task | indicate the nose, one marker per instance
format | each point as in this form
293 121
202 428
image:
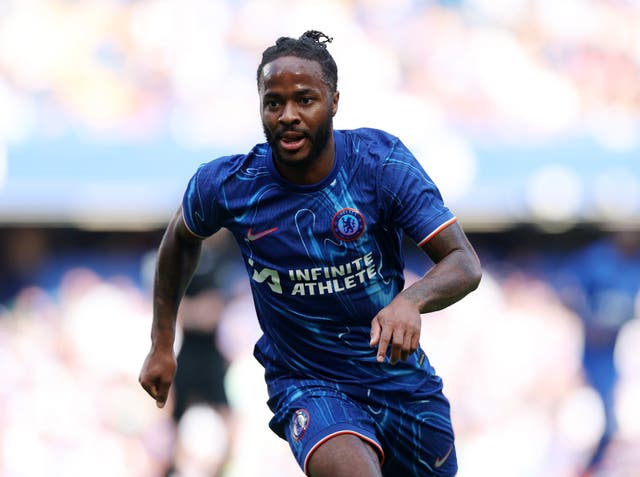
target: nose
289 113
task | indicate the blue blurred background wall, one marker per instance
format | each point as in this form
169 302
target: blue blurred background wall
121 99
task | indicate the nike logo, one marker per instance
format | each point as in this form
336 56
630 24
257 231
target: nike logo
441 460
251 236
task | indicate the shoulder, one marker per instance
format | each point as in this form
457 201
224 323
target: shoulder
371 144
223 167
371 136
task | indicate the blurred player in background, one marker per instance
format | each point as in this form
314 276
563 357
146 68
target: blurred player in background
602 286
319 216
201 366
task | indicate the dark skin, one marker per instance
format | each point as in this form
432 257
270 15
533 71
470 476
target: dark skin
297 104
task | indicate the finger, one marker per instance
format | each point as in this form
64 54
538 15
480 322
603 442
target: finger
397 346
383 344
375 332
406 349
150 388
163 393
415 343
410 346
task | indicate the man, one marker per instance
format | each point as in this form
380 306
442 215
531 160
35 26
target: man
319 216
601 283
201 365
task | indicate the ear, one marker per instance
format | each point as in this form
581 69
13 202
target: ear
334 106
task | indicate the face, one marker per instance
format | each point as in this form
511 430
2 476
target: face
297 109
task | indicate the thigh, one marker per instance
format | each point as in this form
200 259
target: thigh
316 415
344 455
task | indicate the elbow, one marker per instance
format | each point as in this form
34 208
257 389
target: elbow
473 274
476 278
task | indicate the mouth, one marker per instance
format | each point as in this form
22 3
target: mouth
291 141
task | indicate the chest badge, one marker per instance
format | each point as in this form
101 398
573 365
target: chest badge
348 224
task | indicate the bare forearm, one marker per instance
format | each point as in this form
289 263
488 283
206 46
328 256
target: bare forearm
451 279
176 263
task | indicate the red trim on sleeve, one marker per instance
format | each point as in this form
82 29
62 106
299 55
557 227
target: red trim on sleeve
437 231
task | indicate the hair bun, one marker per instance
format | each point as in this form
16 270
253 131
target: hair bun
317 36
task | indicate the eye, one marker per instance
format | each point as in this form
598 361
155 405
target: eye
271 104
306 100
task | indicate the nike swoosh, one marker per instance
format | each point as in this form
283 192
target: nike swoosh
441 460
251 236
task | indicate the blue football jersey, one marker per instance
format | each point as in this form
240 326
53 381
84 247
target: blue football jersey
323 259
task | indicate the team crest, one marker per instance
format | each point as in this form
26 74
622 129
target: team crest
347 224
299 424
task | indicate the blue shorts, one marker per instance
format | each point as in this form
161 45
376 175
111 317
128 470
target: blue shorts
411 433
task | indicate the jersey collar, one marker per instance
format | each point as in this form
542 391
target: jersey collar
339 142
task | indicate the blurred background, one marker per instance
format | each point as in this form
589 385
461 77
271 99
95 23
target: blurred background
526 113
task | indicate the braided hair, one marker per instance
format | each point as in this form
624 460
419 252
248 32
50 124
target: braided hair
312 45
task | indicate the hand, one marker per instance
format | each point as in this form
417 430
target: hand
399 324
157 373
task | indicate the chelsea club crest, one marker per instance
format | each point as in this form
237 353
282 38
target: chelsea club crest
299 424
347 224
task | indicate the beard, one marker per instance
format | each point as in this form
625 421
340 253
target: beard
318 142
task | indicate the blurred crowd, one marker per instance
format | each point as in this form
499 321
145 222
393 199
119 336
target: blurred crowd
74 334
497 98
147 68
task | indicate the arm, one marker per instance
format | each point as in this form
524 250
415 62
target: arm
178 257
456 273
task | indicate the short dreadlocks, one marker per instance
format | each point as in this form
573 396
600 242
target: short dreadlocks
312 45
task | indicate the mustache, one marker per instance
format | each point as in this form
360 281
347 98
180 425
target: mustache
280 132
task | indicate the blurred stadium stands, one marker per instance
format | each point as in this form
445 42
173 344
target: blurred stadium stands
106 103
525 112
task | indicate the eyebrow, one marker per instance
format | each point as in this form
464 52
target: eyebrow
300 92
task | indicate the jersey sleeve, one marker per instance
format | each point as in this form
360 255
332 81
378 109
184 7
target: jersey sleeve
412 199
199 210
